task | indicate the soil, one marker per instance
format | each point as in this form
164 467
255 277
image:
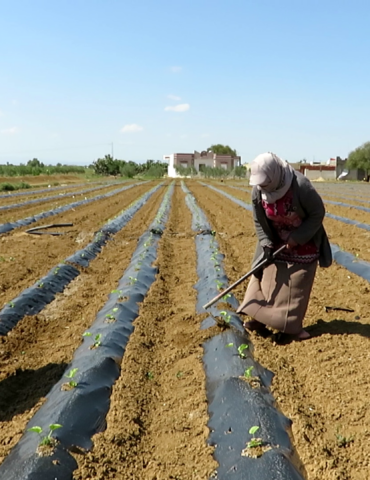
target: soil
11 200
157 423
24 258
28 210
35 354
38 180
161 432
319 383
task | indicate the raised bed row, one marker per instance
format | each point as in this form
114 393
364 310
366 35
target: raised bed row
44 190
240 402
32 300
346 259
348 221
8 227
54 197
79 405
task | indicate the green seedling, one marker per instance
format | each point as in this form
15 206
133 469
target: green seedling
225 316
241 349
133 280
254 442
47 440
11 304
97 339
229 345
71 374
150 375
41 284
248 372
343 441
225 297
179 374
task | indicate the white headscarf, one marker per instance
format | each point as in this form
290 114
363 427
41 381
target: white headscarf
272 175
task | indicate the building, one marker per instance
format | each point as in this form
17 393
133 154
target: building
198 160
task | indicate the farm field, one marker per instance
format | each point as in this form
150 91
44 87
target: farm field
154 421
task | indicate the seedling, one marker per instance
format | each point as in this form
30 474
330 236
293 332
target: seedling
97 339
241 349
248 372
47 440
11 304
225 297
150 375
343 441
179 374
254 442
133 280
226 316
229 345
41 284
71 374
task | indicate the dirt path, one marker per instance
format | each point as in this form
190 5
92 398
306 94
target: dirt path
25 258
35 354
161 431
321 384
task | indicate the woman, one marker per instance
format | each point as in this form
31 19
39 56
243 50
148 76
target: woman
287 210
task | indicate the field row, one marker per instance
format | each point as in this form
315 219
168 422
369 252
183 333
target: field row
162 430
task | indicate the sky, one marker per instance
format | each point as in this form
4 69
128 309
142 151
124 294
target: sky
142 78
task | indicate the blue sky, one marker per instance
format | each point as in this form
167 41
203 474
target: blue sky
156 77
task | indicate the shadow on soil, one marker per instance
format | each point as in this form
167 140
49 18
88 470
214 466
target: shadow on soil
22 390
334 327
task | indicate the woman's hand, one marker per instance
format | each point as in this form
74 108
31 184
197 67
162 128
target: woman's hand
291 243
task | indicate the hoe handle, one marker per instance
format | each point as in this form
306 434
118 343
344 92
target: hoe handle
244 277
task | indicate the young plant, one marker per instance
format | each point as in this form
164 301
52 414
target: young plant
248 372
71 374
226 317
97 339
47 440
343 441
241 349
229 345
133 280
254 442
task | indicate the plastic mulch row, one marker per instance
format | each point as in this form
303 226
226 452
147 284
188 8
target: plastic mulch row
54 197
8 227
235 406
82 410
32 300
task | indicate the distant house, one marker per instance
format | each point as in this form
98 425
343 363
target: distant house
198 160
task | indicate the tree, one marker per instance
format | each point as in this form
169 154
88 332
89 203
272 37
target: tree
220 149
360 158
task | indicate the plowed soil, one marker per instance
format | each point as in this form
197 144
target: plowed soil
321 383
10 199
24 258
28 210
157 423
34 355
39 180
161 431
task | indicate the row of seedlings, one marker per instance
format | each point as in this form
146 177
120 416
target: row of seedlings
54 197
250 436
32 300
343 258
8 227
77 405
